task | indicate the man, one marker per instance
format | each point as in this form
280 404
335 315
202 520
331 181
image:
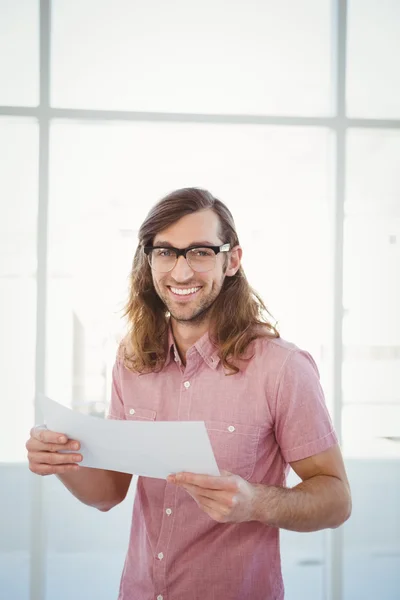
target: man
200 347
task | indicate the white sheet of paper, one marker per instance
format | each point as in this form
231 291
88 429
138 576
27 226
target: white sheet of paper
150 449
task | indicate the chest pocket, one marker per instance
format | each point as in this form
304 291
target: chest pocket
135 413
235 446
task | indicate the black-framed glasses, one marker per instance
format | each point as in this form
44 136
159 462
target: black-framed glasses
199 258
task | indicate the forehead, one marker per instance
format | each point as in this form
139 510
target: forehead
201 226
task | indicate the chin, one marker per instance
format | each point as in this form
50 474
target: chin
196 317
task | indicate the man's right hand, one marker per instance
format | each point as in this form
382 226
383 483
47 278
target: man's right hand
43 452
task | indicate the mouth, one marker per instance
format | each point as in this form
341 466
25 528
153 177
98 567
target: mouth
184 293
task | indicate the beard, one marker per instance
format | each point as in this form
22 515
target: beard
198 316
199 313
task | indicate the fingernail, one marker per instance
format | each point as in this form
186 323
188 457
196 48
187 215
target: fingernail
75 446
62 439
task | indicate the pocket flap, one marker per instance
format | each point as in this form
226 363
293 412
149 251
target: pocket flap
136 413
238 429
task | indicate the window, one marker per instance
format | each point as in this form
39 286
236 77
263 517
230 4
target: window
237 97
18 215
371 325
373 67
18 209
19 52
213 57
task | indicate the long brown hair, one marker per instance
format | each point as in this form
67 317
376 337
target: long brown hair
238 314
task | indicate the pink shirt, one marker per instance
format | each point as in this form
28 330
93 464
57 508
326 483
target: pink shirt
270 414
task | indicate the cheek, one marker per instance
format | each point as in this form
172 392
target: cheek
158 282
158 286
220 281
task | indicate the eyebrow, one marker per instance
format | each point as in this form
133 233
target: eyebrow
165 244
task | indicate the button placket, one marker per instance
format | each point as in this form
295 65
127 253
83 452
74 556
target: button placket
187 384
161 549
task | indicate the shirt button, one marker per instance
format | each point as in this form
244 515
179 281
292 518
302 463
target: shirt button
231 428
187 384
132 411
159 597
168 511
160 555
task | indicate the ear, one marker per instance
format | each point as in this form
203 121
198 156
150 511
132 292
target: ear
234 261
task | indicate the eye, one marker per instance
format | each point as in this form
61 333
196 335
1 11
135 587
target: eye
202 252
164 252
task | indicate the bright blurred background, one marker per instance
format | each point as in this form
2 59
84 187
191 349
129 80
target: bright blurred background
287 111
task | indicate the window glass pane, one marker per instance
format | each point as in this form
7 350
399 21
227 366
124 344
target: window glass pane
104 178
19 52
18 209
18 213
371 382
373 59
371 536
371 367
86 551
216 56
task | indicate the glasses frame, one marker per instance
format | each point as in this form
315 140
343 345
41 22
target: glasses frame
183 251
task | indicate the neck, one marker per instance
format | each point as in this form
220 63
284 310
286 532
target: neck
187 334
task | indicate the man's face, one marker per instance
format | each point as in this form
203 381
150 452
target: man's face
200 228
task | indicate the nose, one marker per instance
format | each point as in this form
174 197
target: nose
182 271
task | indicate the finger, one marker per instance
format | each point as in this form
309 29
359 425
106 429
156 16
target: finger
53 458
216 512
45 469
222 498
33 445
227 483
42 434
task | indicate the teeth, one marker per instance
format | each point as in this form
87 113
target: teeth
184 292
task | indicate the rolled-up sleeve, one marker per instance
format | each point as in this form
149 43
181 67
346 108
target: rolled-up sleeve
303 426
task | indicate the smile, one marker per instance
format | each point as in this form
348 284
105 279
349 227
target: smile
184 291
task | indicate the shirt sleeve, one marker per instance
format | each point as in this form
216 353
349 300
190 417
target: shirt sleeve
116 409
303 426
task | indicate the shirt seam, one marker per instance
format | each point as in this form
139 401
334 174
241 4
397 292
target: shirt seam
279 378
254 455
170 533
332 431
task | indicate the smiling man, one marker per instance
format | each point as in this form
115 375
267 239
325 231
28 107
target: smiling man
188 288
200 346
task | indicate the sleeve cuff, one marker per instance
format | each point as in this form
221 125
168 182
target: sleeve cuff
311 448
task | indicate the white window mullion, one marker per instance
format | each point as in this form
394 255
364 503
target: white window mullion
334 574
38 521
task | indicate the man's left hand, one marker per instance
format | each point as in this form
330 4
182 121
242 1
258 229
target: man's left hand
226 499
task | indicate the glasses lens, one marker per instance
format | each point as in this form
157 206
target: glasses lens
201 259
162 259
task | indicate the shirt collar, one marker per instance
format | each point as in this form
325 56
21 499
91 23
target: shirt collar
204 346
